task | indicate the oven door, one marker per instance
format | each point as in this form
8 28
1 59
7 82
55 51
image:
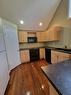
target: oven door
34 54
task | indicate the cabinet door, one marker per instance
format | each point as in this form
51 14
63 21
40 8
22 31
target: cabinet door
59 56
24 54
22 36
42 53
54 57
41 36
12 45
63 56
4 73
54 33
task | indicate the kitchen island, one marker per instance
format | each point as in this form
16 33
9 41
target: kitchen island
59 75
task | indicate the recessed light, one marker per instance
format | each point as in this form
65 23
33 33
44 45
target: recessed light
21 22
40 24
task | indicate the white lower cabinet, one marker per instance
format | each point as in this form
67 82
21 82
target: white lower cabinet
52 90
4 73
24 54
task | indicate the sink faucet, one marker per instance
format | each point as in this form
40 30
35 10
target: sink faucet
65 46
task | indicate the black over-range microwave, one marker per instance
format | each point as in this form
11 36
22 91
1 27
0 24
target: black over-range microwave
32 39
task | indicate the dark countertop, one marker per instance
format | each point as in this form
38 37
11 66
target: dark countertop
60 76
60 49
30 48
52 48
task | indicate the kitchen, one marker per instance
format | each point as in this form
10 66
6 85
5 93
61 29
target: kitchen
36 45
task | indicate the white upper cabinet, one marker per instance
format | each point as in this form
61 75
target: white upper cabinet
69 15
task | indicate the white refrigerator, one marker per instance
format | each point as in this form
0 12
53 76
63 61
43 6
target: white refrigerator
4 72
11 43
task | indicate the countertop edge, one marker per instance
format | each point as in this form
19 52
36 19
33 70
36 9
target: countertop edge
52 48
51 82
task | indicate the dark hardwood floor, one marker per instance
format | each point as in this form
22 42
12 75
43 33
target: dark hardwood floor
28 79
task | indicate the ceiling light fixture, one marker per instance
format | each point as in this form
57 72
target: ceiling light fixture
21 22
40 24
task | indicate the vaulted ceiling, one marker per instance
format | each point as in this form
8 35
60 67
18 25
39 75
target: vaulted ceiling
32 12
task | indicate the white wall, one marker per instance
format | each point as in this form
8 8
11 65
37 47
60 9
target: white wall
61 19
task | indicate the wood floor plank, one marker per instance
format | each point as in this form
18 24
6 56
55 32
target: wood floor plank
28 79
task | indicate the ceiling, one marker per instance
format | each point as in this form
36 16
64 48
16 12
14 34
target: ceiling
30 11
